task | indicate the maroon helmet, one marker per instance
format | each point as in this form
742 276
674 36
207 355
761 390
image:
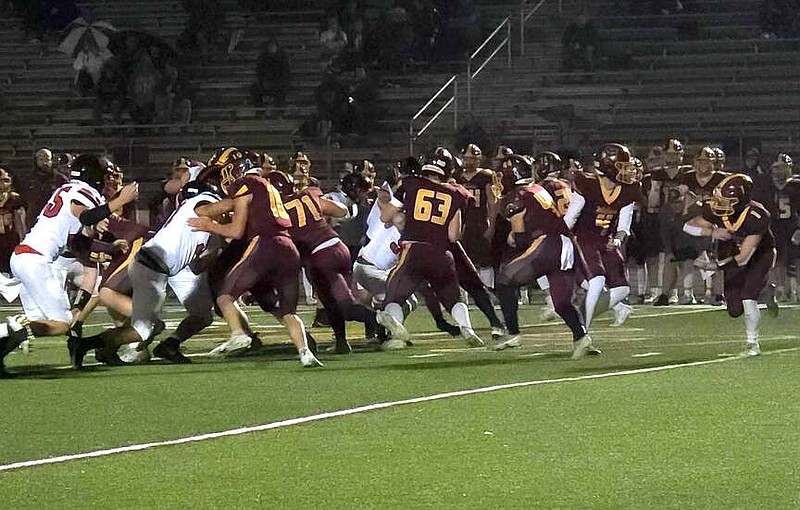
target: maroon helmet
616 162
731 195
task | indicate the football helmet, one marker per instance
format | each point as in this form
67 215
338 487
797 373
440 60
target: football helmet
704 161
673 152
268 163
232 163
719 159
616 162
408 166
367 169
472 156
781 170
731 195
547 164
301 170
193 188
5 180
437 167
89 169
282 181
450 163
354 184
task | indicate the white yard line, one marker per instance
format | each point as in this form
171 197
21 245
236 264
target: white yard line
358 410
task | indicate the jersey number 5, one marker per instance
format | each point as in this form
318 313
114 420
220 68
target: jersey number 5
433 206
53 207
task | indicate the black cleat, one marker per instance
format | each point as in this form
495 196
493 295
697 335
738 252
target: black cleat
170 351
661 300
443 325
109 357
77 351
341 346
312 343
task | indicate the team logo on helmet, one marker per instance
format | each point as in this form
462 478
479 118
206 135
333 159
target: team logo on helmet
547 164
232 164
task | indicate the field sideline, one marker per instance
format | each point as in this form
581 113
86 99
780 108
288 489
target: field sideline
720 432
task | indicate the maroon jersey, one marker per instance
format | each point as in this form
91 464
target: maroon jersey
670 184
753 220
561 191
602 204
785 204
266 215
309 227
8 209
541 213
122 228
429 207
702 191
477 211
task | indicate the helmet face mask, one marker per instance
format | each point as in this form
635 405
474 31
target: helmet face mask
89 169
547 164
673 153
232 164
616 162
705 161
472 157
281 181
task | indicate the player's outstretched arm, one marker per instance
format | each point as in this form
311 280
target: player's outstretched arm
216 209
235 229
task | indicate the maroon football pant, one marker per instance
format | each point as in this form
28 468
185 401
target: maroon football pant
330 272
419 263
598 260
269 267
542 258
746 282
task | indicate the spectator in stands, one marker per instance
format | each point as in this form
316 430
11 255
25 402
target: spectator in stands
353 54
203 27
273 75
333 40
779 18
36 187
579 45
332 103
361 103
390 41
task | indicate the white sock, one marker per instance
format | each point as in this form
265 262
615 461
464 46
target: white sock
308 290
548 300
617 294
460 314
396 311
752 316
4 330
596 285
487 276
543 283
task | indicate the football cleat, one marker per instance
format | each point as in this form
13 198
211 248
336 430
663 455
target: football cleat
443 325
506 341
473 340
131 354
308 360
170 351
753 349
661 300
77 352
235 344
498 332
621 313
396 329
340 346
686 300
581 346
393 345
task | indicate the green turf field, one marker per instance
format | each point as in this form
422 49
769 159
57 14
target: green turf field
722 434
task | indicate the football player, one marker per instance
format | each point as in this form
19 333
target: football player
174 256
745 249
73 206
477 236
700 183
785 210
666 198
12 220
431 218
599 201
270 264
323 254
542 248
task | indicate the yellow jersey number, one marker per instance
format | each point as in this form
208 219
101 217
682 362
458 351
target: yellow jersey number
433 206
301 205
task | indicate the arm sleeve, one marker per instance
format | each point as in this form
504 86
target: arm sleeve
625 219
95 215
574 210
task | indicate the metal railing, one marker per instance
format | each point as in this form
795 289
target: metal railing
506 23
525 13
414 135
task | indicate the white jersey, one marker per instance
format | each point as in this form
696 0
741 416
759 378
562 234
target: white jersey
56 222
176 244
383 247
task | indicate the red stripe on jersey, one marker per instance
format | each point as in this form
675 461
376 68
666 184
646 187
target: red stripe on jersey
89 195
